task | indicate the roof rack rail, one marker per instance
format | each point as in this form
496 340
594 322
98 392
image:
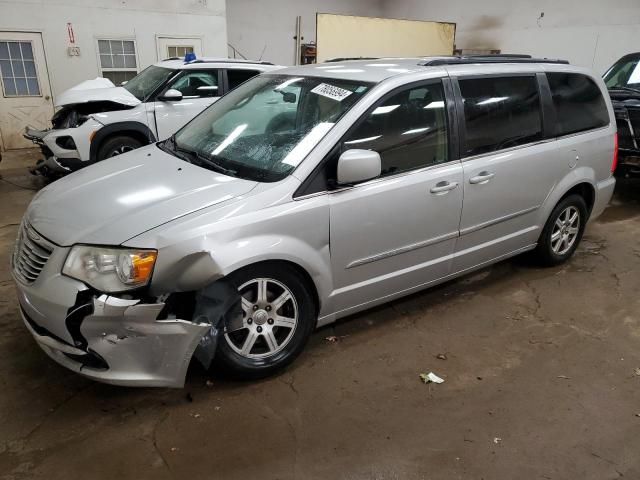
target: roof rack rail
344 59
499 58
230 60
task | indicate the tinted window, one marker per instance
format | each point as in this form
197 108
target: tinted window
237 77
578 101
198 83
500 113
409 130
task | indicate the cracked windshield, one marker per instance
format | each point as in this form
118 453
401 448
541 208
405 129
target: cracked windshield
265 128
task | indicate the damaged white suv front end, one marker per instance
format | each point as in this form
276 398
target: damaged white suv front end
66 146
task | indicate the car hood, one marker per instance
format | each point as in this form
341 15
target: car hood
122 197
96 90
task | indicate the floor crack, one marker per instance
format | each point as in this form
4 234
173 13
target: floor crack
154 441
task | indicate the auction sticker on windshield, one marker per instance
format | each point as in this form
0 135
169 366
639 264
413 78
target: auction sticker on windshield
332 92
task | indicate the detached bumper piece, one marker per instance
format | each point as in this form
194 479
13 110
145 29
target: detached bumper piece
122 342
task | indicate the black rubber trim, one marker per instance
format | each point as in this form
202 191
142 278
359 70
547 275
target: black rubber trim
76 314
549 116
120 128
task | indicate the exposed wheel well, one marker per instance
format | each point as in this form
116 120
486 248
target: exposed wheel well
305 275
586 191
141 137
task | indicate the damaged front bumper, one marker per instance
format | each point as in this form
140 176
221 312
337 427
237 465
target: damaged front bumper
64 150
107 338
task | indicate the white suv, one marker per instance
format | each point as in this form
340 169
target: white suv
98 120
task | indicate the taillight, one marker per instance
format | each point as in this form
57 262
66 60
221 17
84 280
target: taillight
614 163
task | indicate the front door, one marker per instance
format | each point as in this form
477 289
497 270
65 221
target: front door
172 47
26 94
509 169
398 231
199 88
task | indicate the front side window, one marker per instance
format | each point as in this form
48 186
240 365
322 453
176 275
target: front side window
197 84
236 77
578 102
118 60
500 112
148 80
263 129
624 74
408 130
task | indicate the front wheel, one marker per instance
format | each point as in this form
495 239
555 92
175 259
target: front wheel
563 231
117 146
278 316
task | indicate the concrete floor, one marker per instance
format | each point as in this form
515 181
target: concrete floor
539 369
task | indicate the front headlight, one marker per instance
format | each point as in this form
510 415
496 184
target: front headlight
110 269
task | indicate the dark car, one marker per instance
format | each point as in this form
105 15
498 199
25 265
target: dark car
623 82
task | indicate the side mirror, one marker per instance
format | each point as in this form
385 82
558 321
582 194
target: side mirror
358 165
171 95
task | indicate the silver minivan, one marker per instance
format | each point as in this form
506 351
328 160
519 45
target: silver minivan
306 195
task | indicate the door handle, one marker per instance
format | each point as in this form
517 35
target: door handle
481 178
443 187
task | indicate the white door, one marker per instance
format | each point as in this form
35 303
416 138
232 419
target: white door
26 94
170 47
398 231
199 89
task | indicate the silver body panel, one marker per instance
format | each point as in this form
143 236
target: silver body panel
361 245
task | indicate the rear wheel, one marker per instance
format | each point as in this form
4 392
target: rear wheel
278 316
563 231
118 145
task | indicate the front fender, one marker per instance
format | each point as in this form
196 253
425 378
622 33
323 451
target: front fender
200 248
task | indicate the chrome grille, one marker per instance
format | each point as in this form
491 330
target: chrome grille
30 255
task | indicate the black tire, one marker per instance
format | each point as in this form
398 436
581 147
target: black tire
118 145
544 252
236 365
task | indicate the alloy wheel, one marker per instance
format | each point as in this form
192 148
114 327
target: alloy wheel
565 230
269 319
120 150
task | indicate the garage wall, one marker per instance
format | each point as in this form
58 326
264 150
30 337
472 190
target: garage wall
92 19
591 33
256 24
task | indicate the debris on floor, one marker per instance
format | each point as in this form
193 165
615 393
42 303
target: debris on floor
563 377
637 372
430 378
497 440
441 356
335 338
209 384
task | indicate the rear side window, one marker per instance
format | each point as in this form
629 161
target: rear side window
500 112
238 77
578 102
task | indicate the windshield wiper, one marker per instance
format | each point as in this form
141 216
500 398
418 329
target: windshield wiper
208 162
628 89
